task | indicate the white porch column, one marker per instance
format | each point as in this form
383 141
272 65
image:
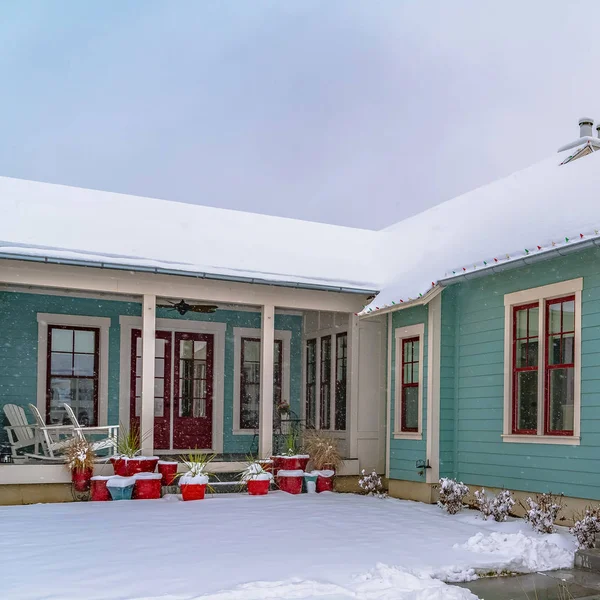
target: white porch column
265 442
352 383
148 357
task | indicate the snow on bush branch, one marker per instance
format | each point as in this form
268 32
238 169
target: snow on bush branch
542 512
586 528
451 495
372 484
498 506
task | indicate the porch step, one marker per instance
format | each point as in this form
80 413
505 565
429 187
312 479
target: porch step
588 559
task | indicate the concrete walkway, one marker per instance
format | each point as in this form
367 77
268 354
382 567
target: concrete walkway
551 585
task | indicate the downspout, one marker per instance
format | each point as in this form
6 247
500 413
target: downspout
388 425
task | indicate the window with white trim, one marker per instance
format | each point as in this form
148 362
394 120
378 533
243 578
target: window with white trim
542 364
408 389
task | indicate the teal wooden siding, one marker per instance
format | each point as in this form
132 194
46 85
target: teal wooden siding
481 456
18 349
405 453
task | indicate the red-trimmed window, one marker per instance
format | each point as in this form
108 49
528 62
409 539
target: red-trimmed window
311 383
72 373
409 417
559 376
525 368
250 380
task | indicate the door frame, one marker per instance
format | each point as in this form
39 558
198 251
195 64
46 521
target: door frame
218 330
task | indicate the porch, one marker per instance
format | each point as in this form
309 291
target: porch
210 381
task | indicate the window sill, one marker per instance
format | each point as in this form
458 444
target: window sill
559 440
407 435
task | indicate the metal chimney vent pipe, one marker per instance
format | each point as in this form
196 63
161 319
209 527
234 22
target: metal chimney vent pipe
586 127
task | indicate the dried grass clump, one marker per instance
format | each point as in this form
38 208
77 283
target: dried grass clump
323 450
80 455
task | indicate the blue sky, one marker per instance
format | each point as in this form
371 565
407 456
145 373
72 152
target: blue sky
356 113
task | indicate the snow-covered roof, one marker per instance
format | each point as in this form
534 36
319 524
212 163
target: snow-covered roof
94 227
535 211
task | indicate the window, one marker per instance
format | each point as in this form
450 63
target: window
409 413
326 371
543 331
250 381
341 366
325 387
311 383
72 373
408 392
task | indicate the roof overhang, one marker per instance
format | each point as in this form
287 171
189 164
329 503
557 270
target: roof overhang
422 301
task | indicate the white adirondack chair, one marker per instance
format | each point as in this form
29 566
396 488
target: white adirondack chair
108 433
21 433
53 439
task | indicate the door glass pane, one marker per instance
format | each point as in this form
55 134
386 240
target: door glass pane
62 340
85 342
411 407
527 400
325 413
186 348
311 383
561 399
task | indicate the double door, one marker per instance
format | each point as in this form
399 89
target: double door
183 389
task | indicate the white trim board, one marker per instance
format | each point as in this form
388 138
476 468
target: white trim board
101 323
434 352
540 295
217 329
285 336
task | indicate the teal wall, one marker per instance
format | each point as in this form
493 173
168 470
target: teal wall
18 349
405 453
481 456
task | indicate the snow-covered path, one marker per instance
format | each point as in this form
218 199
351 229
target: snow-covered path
237 547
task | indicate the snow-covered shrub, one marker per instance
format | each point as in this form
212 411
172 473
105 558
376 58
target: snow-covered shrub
451 495
542 512
502 505
484 503
371 484
586 528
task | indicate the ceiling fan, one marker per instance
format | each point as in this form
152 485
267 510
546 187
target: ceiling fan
182 307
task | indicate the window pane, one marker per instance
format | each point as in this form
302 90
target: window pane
85 341
568 316
561 399
411 408
527 353
251 350
568 352
325 397
61 364
534 321
200 350
84 365
522 323
78 393
159 348
554 317
407 377
527 400
159 407
186 348
415 372
311 377
159 367
554 350
62 340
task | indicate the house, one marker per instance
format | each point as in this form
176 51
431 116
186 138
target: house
462 342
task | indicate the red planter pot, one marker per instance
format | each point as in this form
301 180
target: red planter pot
292 463
119 466
258 487
100 492
168 470
303 462
81 479
127 467
324 484
290 484
193 491
147 488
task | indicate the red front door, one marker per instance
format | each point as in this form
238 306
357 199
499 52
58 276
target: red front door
162 386
192 391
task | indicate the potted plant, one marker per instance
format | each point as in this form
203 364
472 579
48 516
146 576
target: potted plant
326 458
128 462
168 470
291 459
80 461
257 478
193 483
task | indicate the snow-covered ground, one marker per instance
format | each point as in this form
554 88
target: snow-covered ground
238 547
